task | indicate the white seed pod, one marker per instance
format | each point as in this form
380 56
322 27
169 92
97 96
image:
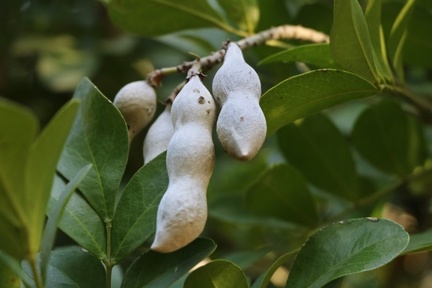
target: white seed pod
182 212
159 135
241 125
137 103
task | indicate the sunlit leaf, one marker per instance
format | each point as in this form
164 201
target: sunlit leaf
41 166
18 129
344 248
309 93
217 274
12 272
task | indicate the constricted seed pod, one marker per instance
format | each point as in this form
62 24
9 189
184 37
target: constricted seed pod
137 103
182 212
241 126
159 135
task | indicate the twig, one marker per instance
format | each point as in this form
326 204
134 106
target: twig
276 33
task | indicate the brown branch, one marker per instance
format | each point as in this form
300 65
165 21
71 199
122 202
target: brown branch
275 33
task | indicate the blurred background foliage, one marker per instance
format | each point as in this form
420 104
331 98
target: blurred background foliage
47 47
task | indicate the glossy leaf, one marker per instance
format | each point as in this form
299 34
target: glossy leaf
350 43
135 217
309 93
282 192
397 37
163 16
244 13
389 138
73 267
79 220
217 274
314 54
51 225
41 166
170 266
373 19
344 248
99 137
419 242
317 148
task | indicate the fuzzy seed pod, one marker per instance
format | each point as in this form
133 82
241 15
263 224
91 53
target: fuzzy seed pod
137 103
241 125
158 135
182 212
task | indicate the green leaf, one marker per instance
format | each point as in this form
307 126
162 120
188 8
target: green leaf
99 137
389 138
350 43
244 13
79 220
272 13
373 19
317 148
135 217
309 93
398 36
12 267
313 54
344 248
52 223
170 267
163 16
217 274
41 166
73 267
18 129
419 242
8 279
264 279
282 192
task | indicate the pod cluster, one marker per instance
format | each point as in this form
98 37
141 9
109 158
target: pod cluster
184 130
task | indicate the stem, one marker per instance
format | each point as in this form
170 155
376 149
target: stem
108 263
424 106
37 278
275 33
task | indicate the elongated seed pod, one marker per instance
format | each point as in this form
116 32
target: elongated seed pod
241 126
159 135
182 212
137 103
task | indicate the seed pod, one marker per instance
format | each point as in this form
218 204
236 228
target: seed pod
158 135
241 125
137 103
182 212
